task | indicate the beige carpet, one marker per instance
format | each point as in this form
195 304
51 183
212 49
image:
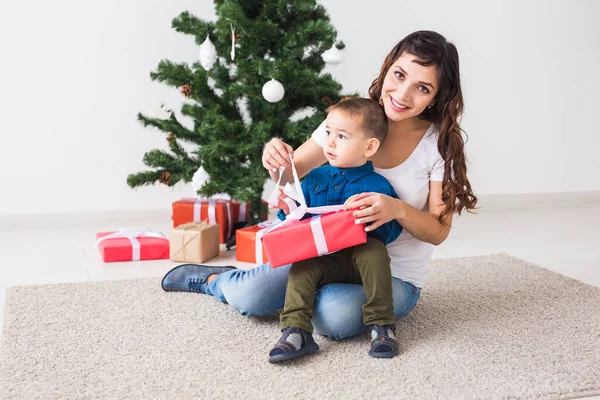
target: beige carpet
486 327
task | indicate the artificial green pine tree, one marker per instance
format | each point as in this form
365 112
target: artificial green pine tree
276 39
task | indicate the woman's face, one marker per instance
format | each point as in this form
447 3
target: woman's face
408 88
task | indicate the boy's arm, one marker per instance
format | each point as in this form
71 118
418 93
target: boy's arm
281 214
304 185
387 232
307 183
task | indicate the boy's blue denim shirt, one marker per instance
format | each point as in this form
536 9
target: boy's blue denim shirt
329 186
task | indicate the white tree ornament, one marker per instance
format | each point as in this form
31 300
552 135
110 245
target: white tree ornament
232 43
208 54
332 56
199 178
273 91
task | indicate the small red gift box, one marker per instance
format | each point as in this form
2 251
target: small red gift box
197 210
247 249
132 246
313 237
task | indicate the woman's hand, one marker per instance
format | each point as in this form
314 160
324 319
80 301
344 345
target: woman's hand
349 201
373 207
276 154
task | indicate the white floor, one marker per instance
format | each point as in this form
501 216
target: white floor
560 232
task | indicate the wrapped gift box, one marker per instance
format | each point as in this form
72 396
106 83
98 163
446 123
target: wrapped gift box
132 246
313 237
194 242
212 211
241 211
247 247
223 212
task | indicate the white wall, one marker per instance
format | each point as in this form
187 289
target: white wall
74 74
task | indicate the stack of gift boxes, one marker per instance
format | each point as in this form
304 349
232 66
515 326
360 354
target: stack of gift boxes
201 225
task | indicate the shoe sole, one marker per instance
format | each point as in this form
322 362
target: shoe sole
287 356
387 354
227 268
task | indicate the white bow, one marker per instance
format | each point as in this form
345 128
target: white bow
295 192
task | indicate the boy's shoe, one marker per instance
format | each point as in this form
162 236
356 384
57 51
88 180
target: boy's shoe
293 343
383 341
190 277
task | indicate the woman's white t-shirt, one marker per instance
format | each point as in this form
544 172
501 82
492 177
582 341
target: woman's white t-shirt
410 256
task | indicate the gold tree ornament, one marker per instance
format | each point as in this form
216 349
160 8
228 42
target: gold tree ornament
170 138
165 177
328 100
186 90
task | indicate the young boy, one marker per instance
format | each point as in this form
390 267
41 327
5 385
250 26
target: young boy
355 130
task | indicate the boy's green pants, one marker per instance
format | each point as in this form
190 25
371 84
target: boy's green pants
367 264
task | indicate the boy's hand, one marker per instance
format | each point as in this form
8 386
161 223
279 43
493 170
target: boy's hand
282 204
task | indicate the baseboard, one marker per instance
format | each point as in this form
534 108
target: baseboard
486 203
86 219
141 218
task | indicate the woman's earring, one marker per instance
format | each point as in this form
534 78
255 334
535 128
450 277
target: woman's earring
380 101
429 106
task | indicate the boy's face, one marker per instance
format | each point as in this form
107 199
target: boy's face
346 145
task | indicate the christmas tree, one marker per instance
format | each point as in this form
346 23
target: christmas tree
254 52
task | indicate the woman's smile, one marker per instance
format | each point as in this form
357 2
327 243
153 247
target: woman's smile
397 106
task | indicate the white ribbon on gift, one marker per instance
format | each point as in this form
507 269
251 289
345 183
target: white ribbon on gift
242 216
318 235
258 248
298 211
212 214
133 237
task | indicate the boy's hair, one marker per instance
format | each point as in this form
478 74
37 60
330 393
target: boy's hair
374 121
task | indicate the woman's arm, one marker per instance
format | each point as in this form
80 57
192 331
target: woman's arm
425 226
306 158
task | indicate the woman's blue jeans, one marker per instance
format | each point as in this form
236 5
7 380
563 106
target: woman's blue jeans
338 306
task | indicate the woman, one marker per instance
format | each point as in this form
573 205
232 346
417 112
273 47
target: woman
422 157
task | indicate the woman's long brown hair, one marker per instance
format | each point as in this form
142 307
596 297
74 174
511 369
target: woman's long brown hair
431 48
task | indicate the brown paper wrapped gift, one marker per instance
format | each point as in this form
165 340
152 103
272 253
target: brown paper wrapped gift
194 242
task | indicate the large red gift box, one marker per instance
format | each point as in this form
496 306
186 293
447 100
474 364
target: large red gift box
298 240
132 249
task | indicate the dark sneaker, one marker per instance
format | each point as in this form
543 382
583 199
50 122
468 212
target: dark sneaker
190 277
383 341
293 343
